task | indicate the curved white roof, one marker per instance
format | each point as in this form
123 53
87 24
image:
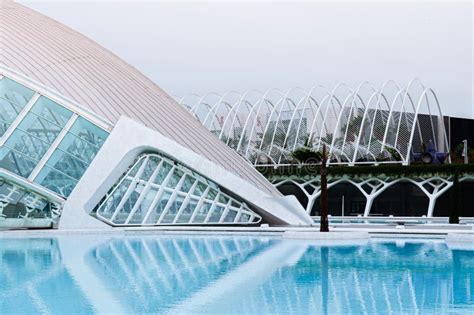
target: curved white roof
64 60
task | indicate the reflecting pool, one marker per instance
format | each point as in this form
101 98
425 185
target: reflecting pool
236 274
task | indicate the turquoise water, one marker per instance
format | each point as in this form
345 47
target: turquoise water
210 274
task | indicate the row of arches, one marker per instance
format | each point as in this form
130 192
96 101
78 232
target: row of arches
401 197
365 124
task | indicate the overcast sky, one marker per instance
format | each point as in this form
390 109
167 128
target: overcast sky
202 47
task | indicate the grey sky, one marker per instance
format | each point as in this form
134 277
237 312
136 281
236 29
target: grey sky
202 47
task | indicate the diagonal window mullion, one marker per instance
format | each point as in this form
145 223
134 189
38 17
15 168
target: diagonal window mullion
158 195
172 198
130 189
186 201
200 203
144 192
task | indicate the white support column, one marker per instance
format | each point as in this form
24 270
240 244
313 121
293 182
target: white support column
375 188
433 188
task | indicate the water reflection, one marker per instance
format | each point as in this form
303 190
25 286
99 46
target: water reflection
232 274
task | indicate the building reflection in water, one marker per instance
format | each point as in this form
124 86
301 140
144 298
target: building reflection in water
231 274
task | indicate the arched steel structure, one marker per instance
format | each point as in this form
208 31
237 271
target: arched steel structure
368 124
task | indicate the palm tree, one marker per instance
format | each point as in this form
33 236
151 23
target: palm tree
324 223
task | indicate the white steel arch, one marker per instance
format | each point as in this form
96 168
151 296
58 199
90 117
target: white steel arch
365 125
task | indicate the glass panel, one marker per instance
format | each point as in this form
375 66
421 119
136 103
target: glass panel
122 215
136 167
112 202
187 184
244 218
74 163
188 211
78 147
149 168
164 170
173 210
212 194
89 132
56 181
200 189
67 164
16 162
223 199
32 138
25 143
216 214
158 209
139 215
15 92
229 218
8 112
51 111
175 178
202 213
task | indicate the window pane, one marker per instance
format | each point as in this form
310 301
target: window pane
27 144
72 158
229 218
187 184
89 132
173 210
162 173
158 209
16 162
49 110
107 210
56 181
202 213
78 147
188 211
149 168
15 92
67 164
8 112
216 214
139 215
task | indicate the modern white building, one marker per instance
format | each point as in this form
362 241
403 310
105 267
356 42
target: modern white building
87 141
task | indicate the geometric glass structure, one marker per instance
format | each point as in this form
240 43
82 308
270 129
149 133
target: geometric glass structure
69 107
159 191
365 125
43 141
45 148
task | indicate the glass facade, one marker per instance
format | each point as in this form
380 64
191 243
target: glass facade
159 191
43 141
13 98
72 157
17 202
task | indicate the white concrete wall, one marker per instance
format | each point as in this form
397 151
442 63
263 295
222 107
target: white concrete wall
126 142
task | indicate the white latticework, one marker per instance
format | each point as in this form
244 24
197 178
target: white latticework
159 191
371 187
362 125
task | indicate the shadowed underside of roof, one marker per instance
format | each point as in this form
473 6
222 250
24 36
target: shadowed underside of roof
75 66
